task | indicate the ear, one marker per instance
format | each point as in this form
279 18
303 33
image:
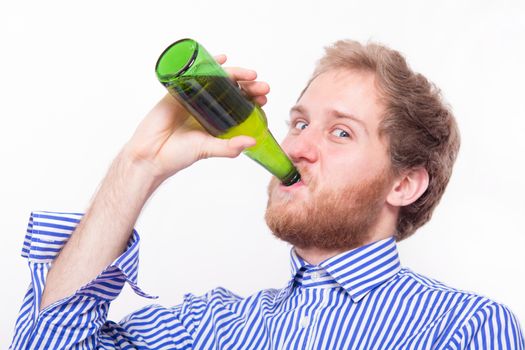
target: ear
408 187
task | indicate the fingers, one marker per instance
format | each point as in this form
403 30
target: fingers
260 100
256 90
238 73
221 59
238 144
230 148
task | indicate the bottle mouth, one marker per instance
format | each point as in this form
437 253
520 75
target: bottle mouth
291 178
176 59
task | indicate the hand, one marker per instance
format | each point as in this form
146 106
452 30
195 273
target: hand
168 140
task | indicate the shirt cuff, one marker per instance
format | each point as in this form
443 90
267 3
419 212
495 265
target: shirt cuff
48 232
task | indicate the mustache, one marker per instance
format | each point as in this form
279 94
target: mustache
306 175
307 178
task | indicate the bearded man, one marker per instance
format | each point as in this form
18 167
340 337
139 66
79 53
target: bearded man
375 146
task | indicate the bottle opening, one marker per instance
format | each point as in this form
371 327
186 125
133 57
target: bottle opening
291 178
176 59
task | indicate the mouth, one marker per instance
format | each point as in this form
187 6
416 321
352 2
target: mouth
293 187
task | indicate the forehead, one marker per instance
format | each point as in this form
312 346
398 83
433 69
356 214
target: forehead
349 91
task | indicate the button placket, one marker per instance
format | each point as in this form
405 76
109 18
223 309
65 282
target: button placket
305 321
314 319
316 275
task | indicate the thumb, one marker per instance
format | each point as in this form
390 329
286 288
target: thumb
231 148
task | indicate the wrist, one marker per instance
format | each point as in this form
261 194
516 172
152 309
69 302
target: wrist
136 177
144 169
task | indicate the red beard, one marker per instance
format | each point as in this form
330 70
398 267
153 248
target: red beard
331 220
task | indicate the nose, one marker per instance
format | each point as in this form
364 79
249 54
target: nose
303 147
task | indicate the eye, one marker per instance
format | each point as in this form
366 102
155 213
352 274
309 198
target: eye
300 125
340 133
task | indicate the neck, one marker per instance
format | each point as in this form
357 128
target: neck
384 228
315 256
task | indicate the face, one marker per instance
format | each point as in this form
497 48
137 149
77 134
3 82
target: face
333 140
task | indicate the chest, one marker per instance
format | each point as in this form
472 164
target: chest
328 318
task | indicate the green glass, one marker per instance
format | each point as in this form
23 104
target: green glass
196 80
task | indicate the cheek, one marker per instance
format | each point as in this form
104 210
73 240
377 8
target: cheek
285 143
350 166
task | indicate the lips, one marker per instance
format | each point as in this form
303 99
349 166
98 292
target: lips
304 181
305 177
296 185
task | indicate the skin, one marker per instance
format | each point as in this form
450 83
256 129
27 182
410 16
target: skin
167 141
334 140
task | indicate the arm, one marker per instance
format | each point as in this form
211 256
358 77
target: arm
63 302
493 326
103 232
79 320
165 142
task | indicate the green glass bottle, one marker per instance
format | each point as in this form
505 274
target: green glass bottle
196 80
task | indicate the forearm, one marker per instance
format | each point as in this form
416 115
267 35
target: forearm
103 232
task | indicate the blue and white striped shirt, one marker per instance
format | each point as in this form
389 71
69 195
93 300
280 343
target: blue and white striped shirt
360 299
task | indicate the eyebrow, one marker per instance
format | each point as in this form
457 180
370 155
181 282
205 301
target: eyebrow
335 113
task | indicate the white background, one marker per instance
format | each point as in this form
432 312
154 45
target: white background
75 80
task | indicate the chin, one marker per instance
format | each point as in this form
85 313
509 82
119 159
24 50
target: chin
280 197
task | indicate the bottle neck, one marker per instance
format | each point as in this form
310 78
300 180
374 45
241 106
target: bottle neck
292 178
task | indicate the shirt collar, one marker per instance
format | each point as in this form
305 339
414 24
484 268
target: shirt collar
358 271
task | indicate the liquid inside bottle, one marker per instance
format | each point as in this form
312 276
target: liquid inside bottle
192 76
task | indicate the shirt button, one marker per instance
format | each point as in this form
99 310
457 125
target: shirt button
305 321
316 275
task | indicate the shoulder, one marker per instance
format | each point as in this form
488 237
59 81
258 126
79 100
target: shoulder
462 299
467 319
492 326
223 297
428 284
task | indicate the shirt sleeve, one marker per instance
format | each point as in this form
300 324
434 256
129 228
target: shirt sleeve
79 319
493 327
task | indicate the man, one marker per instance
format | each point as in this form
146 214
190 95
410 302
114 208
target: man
375 146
